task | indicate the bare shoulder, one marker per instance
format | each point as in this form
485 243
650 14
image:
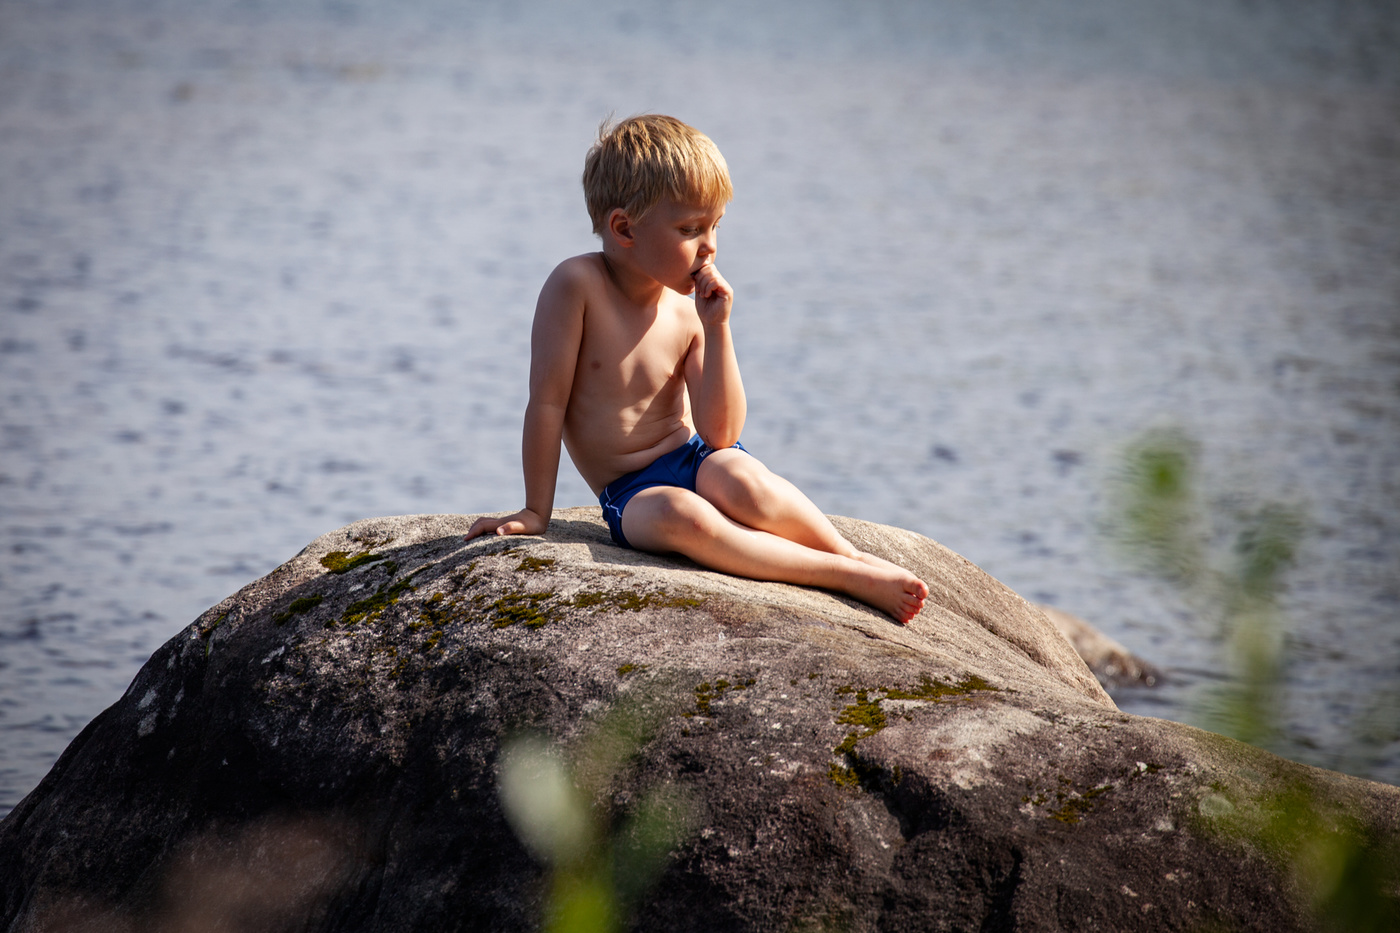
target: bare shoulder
577 275
567 292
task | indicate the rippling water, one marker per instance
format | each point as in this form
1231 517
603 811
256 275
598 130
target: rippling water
266 269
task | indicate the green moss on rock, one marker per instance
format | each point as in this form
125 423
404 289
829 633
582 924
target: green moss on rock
530 564
706 692
528 609
436 610
205 635
371 608
343 562
1074 806
632 600
936 691
868 717
298 606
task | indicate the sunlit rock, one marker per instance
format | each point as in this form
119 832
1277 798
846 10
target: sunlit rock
328 741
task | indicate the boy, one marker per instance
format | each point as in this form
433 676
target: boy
641 383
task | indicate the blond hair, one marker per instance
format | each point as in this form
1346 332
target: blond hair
638 162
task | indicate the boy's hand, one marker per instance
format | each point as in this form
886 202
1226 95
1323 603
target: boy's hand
523 522
713 297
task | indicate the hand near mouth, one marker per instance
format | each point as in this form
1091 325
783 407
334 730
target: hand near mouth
713 297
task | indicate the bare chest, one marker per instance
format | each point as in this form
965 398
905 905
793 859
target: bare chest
631 358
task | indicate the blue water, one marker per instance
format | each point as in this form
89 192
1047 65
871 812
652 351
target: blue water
269 268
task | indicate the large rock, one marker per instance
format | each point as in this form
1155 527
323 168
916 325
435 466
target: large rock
321 751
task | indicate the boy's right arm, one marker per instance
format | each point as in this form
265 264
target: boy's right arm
554 346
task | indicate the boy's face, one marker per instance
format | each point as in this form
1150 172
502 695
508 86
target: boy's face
673 240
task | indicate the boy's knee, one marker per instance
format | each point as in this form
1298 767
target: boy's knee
679 513
747 487
685 514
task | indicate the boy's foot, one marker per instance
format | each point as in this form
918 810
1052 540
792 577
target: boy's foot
890 588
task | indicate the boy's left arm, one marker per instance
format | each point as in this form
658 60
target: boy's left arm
717 397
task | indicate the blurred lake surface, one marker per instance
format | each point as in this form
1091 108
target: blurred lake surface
268 268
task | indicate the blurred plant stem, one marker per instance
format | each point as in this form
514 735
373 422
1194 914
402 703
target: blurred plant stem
1348 873
559 804
1160 518
1164 528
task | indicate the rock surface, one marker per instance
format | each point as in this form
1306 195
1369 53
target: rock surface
320 751
1113 664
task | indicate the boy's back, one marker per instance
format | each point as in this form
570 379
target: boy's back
642 386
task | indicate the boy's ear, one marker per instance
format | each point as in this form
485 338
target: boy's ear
620 226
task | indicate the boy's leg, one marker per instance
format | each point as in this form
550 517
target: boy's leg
670 519
740 486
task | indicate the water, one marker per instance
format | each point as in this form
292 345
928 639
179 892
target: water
266 269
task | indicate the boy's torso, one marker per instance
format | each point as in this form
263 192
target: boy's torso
628 403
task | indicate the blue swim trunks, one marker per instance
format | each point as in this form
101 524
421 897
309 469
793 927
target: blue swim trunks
678 468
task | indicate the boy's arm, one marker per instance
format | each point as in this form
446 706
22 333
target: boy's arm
554 345
717 400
